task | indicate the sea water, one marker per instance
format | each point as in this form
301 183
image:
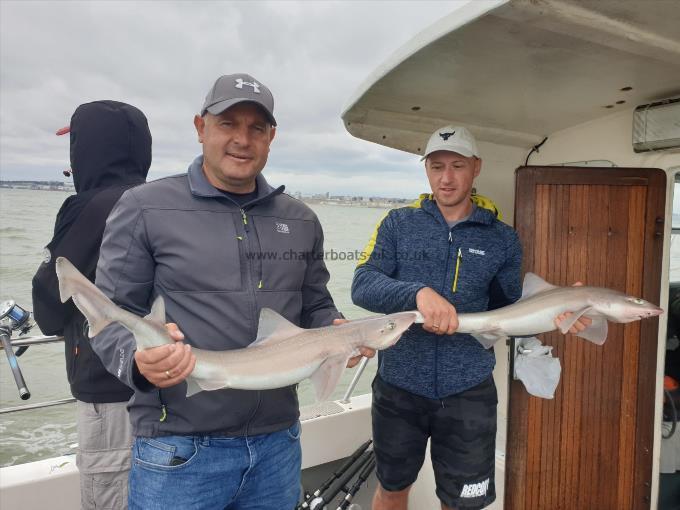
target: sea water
26 225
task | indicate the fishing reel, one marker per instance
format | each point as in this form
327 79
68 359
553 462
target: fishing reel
14 318
17 319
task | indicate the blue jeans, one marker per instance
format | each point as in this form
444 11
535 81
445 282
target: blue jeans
205 472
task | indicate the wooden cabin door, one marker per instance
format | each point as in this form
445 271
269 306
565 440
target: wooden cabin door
590 448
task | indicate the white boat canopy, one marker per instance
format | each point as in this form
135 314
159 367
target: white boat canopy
514 71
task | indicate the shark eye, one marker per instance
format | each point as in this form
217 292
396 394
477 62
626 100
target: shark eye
390 326
639 301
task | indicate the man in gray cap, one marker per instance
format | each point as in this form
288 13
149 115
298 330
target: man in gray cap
199 239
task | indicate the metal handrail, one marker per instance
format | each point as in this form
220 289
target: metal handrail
45 339
39 405
355 380
35 340
26 341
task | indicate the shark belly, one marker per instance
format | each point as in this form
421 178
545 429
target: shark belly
217 370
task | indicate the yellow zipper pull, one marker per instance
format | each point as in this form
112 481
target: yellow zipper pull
455 277
164 413
259 285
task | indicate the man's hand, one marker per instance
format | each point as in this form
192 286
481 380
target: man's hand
365 351
440 315
168 364
578 326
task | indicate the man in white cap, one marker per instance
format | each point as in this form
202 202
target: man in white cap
446 253
198 239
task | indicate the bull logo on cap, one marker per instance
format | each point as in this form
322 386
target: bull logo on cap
240 83
446 136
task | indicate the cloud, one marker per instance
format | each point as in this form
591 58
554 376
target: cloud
163 56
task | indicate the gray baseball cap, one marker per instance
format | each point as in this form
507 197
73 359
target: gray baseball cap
232 89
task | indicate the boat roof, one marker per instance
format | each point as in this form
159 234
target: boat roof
514 71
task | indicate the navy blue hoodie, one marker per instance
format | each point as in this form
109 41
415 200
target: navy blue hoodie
475 265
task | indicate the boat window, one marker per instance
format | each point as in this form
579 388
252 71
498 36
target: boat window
674 273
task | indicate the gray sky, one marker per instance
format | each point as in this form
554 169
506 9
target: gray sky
163 57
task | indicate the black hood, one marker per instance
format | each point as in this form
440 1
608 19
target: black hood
110 145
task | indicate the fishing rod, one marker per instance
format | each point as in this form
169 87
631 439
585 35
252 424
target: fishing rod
5 333
341 483
13 317
336 474
363 476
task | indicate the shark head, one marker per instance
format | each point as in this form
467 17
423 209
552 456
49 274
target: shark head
624 308
383 332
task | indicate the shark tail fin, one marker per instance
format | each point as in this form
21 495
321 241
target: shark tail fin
99 310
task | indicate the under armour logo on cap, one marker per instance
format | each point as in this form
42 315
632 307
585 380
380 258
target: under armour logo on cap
240 83
445 136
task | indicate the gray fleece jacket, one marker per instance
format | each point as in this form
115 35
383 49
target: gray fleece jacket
216 265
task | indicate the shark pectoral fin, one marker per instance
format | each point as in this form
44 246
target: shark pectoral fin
534 284
157 313
326 377
565 324
490 337
596 332
273 328
192 387
209 385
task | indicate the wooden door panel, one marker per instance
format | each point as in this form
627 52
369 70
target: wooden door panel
589 447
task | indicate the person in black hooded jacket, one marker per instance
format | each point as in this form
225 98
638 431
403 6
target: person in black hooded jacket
110 153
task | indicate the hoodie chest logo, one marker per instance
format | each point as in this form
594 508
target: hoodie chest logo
475 251
282 228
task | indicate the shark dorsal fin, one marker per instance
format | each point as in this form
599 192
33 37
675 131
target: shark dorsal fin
157 313
273 328
534 284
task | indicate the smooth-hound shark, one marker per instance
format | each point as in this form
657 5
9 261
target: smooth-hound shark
285 354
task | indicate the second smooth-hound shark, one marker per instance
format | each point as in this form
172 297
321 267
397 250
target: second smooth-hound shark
541 303
281 355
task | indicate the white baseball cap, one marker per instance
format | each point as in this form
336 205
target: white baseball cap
454 139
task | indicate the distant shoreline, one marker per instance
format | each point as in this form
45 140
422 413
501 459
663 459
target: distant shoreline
319 198
38 185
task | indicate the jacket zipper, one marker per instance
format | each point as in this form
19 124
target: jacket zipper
436 344
258 262
446 270
251 265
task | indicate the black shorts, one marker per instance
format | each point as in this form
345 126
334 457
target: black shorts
462 429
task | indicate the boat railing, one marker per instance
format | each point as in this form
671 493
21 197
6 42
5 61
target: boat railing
23 342
27 341
353 384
